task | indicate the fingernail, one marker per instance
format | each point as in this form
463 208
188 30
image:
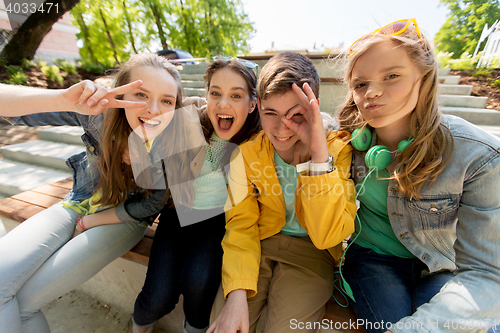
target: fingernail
90 103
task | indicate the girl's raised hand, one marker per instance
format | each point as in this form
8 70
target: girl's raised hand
310 131
89 98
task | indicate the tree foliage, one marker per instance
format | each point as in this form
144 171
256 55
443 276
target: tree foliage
464 25
112 30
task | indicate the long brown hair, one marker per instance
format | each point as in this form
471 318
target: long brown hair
116 176
431 149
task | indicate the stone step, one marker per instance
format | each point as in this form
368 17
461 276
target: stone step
63 134
193 84
43 153
194 69
17 177
193 77
449 79
444 71
495 130
476 116
194 92
455 89
463 101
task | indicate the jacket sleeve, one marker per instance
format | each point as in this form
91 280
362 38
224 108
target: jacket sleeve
325 203
241 242
469 301
137 209
49 119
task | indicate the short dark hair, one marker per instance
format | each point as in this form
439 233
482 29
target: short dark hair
284 69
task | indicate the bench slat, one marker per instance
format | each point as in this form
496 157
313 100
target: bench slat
55 191
18 210
37 199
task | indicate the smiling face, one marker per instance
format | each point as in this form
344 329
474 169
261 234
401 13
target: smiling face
159 91
271 110
228 102
385 85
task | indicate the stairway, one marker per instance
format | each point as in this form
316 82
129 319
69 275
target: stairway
456 99
35 163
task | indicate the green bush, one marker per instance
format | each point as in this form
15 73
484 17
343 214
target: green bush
91 67
466 61
26 64
496 83
16 75
482 72
67 66
52 73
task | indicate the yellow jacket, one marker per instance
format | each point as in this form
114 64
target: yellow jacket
324 205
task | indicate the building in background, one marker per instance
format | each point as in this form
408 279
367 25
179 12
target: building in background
59 43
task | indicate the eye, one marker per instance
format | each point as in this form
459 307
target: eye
139 94
392 76
236 96
359 85
167 101
215 93
269 113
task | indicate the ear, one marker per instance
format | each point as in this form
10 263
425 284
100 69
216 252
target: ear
317 100
252 105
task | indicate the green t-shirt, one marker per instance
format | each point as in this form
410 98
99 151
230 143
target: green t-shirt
288 178
376 232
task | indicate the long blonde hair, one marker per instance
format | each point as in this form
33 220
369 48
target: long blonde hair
431 149
116 176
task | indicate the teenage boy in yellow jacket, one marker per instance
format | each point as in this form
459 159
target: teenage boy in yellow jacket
284 228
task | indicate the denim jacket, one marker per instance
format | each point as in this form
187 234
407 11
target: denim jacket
455 227
85 165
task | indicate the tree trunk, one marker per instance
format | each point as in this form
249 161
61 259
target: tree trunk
28 37
86 36
110 39
129 25
161 33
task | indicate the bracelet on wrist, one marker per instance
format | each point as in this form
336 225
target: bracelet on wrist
80 225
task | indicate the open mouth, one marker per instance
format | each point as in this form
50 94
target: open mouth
149 123
225 121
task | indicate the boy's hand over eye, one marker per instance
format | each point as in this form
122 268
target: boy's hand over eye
310 131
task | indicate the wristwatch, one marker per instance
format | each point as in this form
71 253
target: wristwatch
328 166
318 167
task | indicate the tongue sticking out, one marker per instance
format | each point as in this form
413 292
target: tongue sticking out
225 123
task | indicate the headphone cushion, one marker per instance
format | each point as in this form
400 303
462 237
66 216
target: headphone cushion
378 157
361 139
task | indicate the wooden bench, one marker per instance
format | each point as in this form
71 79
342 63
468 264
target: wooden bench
22 206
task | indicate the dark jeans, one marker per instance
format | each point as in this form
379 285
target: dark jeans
183 260
388 288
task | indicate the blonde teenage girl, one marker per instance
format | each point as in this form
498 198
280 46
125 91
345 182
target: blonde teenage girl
186 256
40 260
424 257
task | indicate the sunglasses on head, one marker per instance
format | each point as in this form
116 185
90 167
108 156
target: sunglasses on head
392 29
247 63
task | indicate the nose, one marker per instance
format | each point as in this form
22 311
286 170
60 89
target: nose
153 108
281 128
223 102
373 91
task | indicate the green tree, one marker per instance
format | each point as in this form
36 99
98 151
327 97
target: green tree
464 25
103 31
212 27
202 27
